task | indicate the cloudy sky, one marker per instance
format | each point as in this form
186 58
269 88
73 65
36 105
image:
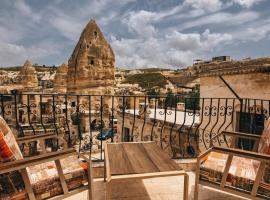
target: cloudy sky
143 33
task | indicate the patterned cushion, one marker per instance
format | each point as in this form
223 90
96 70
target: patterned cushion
9 149
45 180
242 172
264 144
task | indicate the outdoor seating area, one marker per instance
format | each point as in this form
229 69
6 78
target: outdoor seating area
42 176
52 164
241 172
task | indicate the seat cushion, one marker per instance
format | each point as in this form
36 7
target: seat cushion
45 181
9 149
242 172
264 143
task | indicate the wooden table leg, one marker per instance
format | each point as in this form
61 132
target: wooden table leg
27 184
186 186
108 190
90 180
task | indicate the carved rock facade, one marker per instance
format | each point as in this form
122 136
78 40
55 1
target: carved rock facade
60 79
91 65
28 76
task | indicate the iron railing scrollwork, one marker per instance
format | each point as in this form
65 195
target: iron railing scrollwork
181 125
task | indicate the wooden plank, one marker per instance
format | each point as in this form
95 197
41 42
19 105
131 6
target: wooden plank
243 135
159 158
242 153
35 137
148 175
90 180
117 160
197 178
258 179
61 176
226 170
35 160
107 171
27 184
137 156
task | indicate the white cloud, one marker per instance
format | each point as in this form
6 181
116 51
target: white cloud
12 53
222 18
254 32
207 5
23 7
140 22
247 3
173 50
146 34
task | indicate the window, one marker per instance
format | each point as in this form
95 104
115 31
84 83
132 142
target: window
95 34
250 123
91 61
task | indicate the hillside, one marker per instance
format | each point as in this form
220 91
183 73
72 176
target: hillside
147 80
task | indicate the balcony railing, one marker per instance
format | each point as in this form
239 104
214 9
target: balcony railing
181 125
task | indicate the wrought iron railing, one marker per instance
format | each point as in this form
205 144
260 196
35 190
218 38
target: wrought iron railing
181 125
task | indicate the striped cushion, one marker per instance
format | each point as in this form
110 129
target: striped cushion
9 149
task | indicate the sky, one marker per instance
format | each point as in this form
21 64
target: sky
142 33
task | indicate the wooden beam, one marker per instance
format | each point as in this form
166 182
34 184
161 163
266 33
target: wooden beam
226 170
148 175
35 160
61 176
35 137
258 179
242 153
27 184
90 180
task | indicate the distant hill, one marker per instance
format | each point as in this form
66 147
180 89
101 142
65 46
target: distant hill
41 68
147 80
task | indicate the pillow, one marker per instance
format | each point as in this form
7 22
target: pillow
264 143
9 149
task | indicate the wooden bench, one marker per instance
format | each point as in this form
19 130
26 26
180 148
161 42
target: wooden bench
230 152
138 160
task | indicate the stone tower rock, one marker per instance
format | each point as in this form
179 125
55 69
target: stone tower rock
60 79
28 76
91 65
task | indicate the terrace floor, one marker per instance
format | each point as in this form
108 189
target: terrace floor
163 188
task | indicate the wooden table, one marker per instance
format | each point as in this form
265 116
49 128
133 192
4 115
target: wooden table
139 160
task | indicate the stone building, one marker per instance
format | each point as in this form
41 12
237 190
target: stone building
60 79
28 76
91 65
234 93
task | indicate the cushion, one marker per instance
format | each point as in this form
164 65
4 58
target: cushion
9 149
45 181
242 172
264 143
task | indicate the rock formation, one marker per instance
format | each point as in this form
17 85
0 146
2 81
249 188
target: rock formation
91 65
28 76
60 79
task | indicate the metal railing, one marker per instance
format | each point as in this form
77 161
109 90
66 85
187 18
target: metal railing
181 125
